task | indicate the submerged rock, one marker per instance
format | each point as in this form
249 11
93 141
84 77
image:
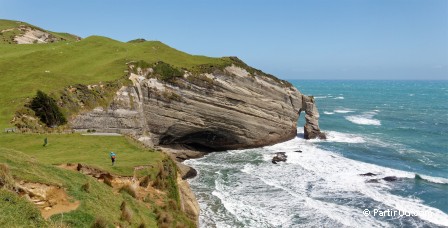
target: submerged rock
390 178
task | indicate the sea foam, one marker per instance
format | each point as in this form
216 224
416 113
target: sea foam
366 118
343 110
320 187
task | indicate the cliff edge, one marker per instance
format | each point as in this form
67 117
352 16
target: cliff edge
229 108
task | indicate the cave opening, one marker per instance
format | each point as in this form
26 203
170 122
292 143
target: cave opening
204 141
301 121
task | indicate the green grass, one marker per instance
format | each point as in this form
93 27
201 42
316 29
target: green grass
29 160
101 201
52 67
18 212
91 150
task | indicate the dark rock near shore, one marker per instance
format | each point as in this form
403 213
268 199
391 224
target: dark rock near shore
390 178
279 157
186 171
368 174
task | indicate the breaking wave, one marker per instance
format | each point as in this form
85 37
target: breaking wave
365 118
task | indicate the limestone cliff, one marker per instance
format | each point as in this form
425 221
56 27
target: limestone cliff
226 109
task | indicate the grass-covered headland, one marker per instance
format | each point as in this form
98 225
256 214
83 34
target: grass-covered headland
42 86
68 73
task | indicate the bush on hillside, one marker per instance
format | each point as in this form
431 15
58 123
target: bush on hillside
47 110
166 72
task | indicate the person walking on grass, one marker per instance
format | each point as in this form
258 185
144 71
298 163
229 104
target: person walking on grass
112 157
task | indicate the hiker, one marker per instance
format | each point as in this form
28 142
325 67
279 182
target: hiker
112 157
45 141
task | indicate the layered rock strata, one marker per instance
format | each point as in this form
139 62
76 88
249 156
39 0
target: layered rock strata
226 109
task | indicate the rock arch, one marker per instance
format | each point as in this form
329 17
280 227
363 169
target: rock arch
311 129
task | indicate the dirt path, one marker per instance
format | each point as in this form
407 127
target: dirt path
49 199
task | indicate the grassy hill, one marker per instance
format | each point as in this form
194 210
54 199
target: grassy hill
32 162
51 67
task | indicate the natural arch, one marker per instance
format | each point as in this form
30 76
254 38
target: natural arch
311 129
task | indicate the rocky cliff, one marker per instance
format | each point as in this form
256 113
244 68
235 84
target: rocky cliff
230 108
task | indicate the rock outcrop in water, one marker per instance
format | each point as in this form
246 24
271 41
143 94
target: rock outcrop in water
311 128
279 157
226 109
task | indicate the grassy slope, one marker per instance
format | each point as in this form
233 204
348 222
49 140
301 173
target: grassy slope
92 150
51 67
100 202
30 161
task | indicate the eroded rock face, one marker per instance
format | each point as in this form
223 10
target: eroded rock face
229 109
311 129
188 201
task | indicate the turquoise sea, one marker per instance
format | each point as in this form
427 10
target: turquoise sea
388 128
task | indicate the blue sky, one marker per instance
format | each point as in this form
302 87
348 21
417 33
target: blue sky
315 39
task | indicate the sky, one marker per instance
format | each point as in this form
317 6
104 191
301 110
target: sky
292 39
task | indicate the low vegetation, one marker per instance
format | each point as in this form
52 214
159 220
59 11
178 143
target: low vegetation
46 109
98 200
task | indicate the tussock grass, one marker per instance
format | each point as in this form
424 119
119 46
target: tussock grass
86 187
100 223
129 189
126 214
6 180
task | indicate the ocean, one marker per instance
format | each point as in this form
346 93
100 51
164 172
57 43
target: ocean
388 128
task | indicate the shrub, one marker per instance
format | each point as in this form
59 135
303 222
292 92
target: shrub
139 40
46 109
166 72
